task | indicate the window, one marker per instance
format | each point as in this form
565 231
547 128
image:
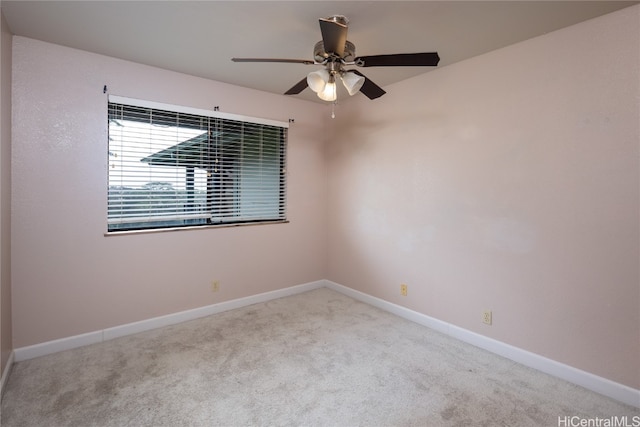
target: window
174 167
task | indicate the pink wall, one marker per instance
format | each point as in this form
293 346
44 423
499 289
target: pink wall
5 194
507 182
68 278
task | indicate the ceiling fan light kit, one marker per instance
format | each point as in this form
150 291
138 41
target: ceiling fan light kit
323 82
334 52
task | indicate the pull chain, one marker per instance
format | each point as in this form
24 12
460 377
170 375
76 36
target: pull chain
333 110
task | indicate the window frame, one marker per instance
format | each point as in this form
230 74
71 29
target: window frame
282 147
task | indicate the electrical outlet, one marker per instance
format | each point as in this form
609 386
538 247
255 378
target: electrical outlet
486 317
215 285
403 290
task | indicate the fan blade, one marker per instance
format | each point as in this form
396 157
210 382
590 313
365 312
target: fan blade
426 59
334 36
298 87
295 61
369 88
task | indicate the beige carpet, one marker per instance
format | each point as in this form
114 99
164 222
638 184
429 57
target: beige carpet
314 359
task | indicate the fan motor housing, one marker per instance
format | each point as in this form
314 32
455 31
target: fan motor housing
319 54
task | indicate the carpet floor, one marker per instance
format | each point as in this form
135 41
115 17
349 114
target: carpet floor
315 359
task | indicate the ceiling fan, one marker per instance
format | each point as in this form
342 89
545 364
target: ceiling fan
335 52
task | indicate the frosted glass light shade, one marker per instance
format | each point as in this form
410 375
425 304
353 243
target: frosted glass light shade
352 82
317 80
329 92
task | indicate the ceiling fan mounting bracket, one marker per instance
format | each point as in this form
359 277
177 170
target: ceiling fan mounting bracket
339 19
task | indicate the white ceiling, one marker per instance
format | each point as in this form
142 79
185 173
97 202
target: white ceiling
201 37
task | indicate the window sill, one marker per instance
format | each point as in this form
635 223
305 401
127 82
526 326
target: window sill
190 228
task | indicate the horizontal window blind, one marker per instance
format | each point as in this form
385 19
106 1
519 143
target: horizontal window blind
173 168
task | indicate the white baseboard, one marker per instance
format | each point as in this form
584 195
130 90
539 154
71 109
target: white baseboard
617 391
49 347
5 374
